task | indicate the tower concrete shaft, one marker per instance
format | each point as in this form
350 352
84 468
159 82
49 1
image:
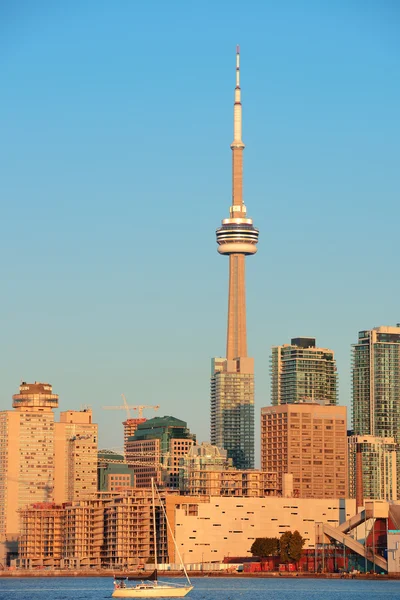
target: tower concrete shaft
237 237
236 342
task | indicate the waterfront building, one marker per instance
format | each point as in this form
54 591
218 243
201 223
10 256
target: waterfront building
376 387
308 441
232 377
117 533
41 540
111 531
155 450
378 466
301 371
208 528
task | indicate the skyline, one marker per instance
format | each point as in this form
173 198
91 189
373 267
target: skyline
95 132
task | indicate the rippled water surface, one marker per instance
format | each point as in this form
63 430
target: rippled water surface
208 588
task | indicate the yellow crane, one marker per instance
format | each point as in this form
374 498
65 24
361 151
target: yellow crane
139 408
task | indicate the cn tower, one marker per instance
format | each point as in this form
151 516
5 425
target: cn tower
232 378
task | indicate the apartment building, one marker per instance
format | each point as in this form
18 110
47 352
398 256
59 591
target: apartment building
376 388
41 538
27 458
75 448
378 466
308 441
300 371
114 531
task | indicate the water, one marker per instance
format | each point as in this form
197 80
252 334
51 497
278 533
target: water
207 588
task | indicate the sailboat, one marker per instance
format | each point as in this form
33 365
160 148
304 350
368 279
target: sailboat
148 586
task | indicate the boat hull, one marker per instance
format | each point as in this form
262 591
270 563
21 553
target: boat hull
159 591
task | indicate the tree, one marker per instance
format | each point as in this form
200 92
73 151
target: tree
284 546
291 546
265 547
296 544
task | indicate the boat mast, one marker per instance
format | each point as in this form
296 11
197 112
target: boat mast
173 537
154 522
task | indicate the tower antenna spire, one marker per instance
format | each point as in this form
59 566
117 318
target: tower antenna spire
237 109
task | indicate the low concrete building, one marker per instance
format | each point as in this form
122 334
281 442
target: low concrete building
210 528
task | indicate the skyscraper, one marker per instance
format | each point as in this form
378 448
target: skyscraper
302 372
26 458
376 387
232 378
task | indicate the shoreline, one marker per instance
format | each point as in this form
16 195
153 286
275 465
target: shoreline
43 573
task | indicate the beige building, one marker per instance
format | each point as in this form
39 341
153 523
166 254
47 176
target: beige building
42 461
76 456
110 530
41 538
214 528
117 531
27 458
308 441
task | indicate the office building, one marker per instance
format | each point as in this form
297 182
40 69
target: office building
232 377
155 450
376 387
114 473
308 441
378 467
302 372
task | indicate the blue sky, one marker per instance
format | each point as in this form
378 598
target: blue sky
116 121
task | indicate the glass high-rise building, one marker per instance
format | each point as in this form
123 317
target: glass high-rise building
232 409
376 386
378 456
302 372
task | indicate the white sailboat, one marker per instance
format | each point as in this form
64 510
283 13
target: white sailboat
149 586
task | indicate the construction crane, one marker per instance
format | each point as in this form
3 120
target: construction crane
128 408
